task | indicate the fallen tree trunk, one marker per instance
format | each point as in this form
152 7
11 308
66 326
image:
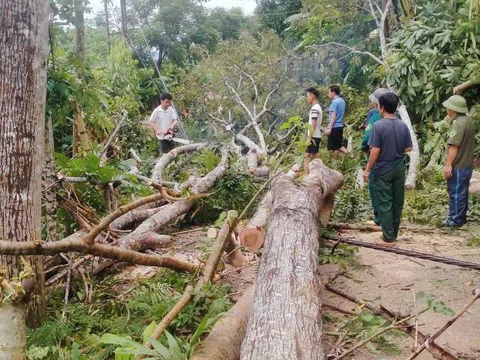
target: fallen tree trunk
166 159
286 320
135 216
172 211
226 337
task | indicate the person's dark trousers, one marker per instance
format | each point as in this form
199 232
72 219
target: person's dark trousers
371 189
389 191
166 146
458 186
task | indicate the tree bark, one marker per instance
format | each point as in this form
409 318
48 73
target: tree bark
123 9
135 216
162 163
414 155
48 182
174 210
226 337
107 24
79 9
12 332
23 53
286 320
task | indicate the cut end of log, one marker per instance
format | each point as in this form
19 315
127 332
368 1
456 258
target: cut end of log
252 238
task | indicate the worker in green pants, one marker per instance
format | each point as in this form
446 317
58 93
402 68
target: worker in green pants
372 117
389 141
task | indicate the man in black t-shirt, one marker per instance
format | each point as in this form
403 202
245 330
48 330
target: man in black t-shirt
389 141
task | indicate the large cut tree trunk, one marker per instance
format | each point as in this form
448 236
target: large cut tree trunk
286 320
23 52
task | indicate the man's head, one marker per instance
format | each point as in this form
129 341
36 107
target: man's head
312 95
166 101
456 105
388 104
333 91
375 96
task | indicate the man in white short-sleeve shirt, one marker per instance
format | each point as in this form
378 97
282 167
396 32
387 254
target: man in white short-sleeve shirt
315 121
164 121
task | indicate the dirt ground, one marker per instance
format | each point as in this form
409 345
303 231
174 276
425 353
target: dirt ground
383 279
388 279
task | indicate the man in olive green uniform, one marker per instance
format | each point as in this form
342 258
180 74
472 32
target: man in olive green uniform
459 164
372 117
389 141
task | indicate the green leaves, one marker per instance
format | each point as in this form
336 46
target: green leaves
435 304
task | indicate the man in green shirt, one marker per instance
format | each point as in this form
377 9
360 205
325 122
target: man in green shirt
459 164
372 118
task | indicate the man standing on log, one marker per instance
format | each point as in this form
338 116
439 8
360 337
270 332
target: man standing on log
372 118
315 121
389 141
335 123
164 121
459 164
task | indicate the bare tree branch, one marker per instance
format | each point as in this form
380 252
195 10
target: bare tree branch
351 49
79 246
374 14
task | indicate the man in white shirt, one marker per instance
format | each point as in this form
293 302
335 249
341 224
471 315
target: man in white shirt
164 121
315 121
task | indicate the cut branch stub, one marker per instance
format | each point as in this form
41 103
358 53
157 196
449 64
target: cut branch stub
252 236
286 320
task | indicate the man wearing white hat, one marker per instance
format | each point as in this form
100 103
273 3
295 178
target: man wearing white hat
459 164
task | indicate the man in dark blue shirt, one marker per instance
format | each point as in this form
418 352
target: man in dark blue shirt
389 141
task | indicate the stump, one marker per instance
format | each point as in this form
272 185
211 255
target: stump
286 320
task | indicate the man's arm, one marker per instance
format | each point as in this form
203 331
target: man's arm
374 154
328 130
174 125
409 149
314 126
451 156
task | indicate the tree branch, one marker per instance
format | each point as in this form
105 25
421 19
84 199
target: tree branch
113 135
105 251
352 50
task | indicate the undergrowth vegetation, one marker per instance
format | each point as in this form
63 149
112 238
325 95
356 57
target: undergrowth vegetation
124 308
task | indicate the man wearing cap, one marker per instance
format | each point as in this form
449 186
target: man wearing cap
372 118
459 164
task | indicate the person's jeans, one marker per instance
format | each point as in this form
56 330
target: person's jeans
458 186
390 195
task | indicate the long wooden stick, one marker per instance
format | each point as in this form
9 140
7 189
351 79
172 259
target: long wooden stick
432 338
208 272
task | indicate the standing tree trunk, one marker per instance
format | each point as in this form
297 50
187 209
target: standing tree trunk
79 29
48 182
123 9
23 54
286 320
107 24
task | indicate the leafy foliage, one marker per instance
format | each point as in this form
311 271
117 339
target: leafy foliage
429 57
124 313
